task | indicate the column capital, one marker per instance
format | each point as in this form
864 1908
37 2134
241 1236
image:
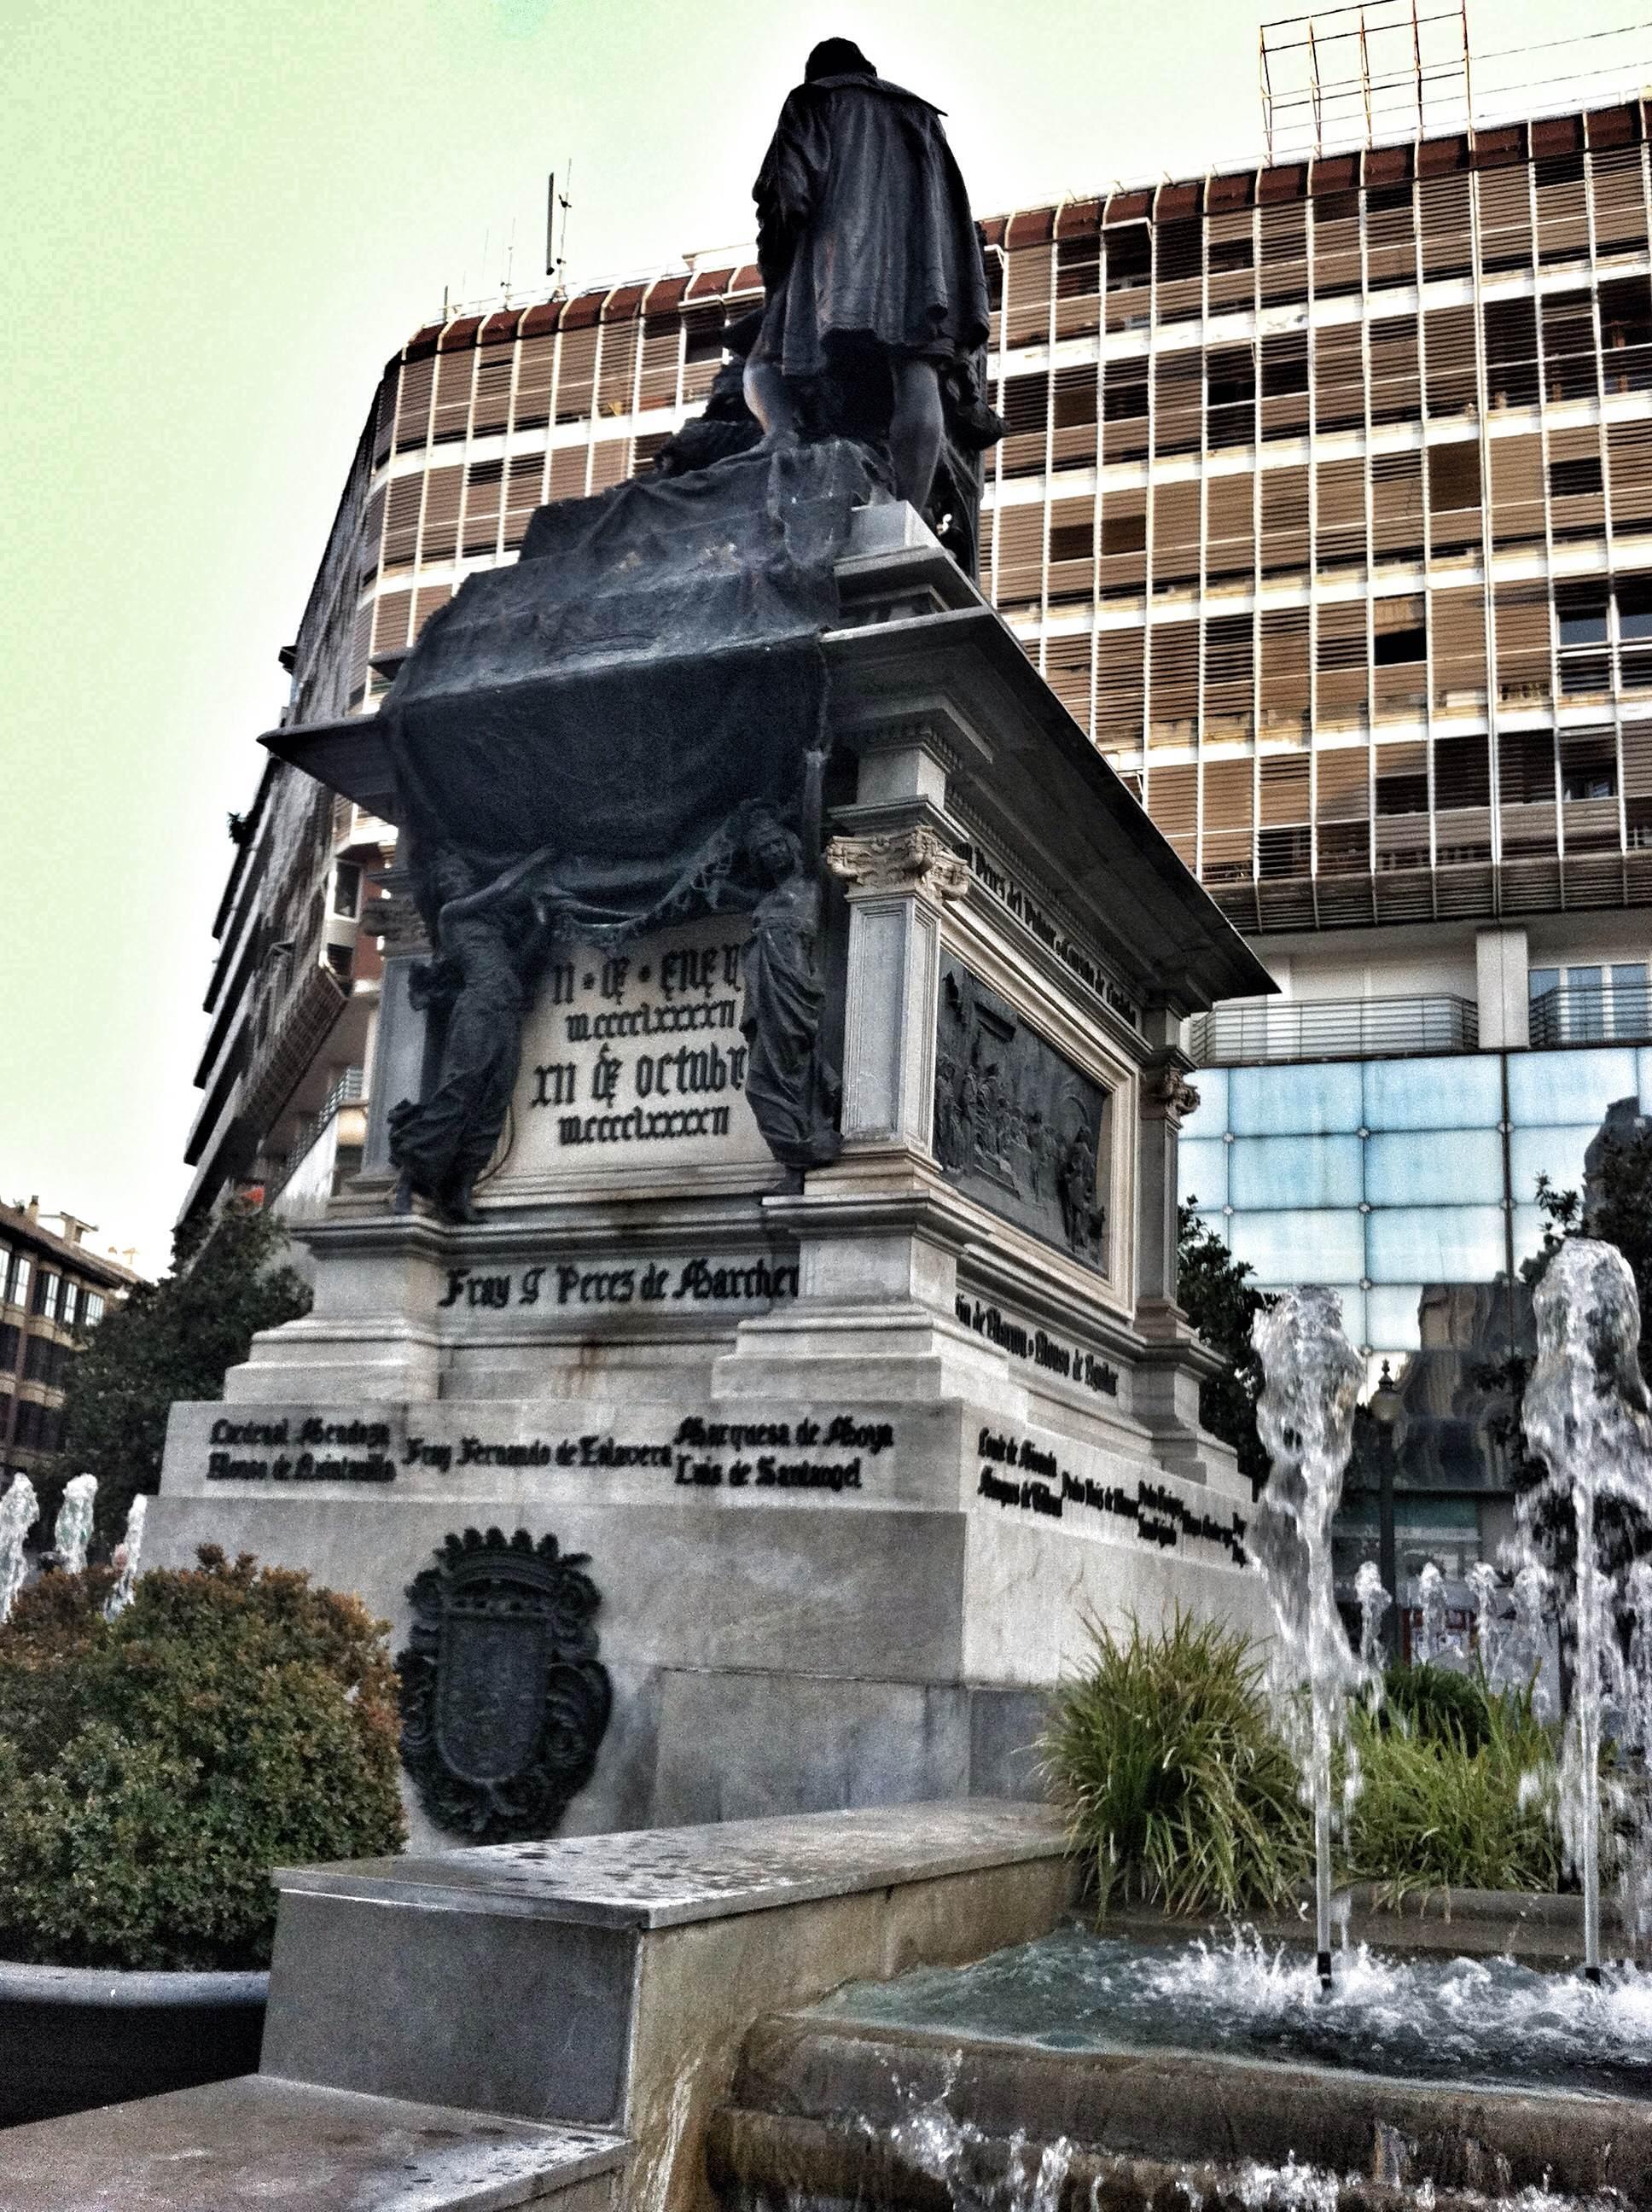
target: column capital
1166 1094
916 862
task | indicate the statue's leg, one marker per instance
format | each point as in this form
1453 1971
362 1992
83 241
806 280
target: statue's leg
914 430
767 396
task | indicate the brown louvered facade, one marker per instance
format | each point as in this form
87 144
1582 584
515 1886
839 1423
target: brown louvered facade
1324 503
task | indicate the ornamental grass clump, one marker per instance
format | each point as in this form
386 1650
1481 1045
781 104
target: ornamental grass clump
1456 1789
1177 1787
155 1767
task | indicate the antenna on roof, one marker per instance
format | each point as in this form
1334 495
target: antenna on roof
556 260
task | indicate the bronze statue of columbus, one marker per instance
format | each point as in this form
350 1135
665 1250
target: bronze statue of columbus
876 306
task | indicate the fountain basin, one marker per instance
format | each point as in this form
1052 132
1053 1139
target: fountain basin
75 2037
829 2111
1494 2022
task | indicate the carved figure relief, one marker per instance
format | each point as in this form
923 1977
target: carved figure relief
794 1098
1016 1125
504 1701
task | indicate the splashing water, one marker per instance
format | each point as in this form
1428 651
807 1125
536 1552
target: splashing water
1588 1419
19 1509
1637 1672
1373 1601
125 1560
1422 2017
72 1536
1305 1418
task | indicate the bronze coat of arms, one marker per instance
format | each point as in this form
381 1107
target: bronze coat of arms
504 1701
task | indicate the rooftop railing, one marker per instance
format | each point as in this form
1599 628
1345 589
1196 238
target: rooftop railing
1332 1028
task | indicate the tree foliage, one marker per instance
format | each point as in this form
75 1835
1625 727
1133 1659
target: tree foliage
1215 1291
154 1768
170 1339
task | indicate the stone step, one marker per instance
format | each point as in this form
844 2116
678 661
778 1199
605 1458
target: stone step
258 2141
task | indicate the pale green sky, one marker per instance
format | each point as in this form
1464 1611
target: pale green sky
219 220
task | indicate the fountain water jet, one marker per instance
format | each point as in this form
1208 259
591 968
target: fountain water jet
1588 1419
1373 1601
1432 1643
126 1558
1305 1418
72 1536
1487 1589
19 1509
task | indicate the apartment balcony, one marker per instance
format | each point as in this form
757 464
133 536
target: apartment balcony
1332 1028
349 1091
1573 1013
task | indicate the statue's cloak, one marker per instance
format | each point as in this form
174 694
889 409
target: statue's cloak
587 725
865 234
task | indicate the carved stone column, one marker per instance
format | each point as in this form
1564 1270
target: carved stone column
1166 1097
897 884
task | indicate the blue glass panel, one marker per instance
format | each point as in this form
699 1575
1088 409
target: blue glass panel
1209 1117
1391 1317
1547 1089
1203 1169
1295 1171
1290 1102
1435 1167
1285 1248
1455 1091
1557 1153
1352 1303
1216 1223
1435 1245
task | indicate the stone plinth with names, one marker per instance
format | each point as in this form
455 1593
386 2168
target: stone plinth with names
850 1446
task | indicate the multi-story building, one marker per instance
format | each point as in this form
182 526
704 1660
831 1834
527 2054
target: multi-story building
54 1291
1325 506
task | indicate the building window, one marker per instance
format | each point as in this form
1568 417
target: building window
11 1339
71 1304
21 1269
46 1293
1579 1005
91 1309
1392 647
1591 779
37 1360
347 889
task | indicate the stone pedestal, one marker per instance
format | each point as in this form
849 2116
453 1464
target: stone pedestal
855 1453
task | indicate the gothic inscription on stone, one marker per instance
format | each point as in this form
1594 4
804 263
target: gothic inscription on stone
634 1060
1018 1127
1014 1470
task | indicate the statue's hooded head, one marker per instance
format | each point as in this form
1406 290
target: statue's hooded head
836 57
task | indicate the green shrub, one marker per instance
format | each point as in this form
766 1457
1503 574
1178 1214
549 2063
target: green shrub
154 1768
1175 1784
1437 1813
1438 1703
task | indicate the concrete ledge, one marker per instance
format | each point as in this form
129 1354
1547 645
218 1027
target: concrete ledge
257 2141
608 1981
653 1878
